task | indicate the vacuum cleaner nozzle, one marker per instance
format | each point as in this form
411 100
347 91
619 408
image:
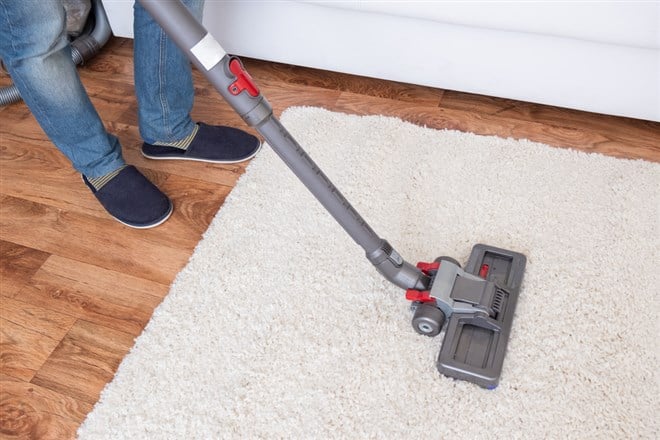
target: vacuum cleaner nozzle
477 304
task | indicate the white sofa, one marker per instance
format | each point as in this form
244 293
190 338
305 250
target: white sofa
597 56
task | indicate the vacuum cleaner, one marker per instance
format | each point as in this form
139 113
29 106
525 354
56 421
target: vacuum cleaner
474 306
88 30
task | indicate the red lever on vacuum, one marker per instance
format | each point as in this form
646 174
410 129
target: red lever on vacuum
423 295
243 80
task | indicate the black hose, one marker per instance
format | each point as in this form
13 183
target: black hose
82 48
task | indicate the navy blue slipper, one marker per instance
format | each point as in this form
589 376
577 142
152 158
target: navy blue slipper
216 144
133 200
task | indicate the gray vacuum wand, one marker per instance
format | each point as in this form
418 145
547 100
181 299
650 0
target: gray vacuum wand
229 78
475 305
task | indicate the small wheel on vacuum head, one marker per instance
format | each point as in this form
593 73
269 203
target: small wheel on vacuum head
428 320
450 259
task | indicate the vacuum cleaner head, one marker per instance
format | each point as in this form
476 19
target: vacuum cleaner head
477 304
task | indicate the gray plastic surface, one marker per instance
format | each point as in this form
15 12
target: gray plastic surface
475 344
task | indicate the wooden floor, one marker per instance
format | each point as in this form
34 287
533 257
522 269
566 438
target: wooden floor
77 287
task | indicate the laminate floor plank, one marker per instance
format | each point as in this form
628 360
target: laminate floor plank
146 254
29 411
84 361
78 290
17 265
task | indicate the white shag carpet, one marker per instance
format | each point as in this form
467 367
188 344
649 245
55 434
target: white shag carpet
280 328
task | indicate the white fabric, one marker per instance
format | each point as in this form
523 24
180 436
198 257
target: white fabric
600 57
280 328
630 23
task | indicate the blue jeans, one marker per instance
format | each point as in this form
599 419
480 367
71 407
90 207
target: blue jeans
35 50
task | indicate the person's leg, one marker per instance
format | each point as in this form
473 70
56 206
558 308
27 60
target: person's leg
165 93
36 51
34 48
163 80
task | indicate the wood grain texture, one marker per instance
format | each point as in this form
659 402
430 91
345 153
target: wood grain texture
28 335
17 264
79 290
627 132
77 287
28 411
84 361
107 243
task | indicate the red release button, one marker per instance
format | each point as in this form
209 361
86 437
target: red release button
243 79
